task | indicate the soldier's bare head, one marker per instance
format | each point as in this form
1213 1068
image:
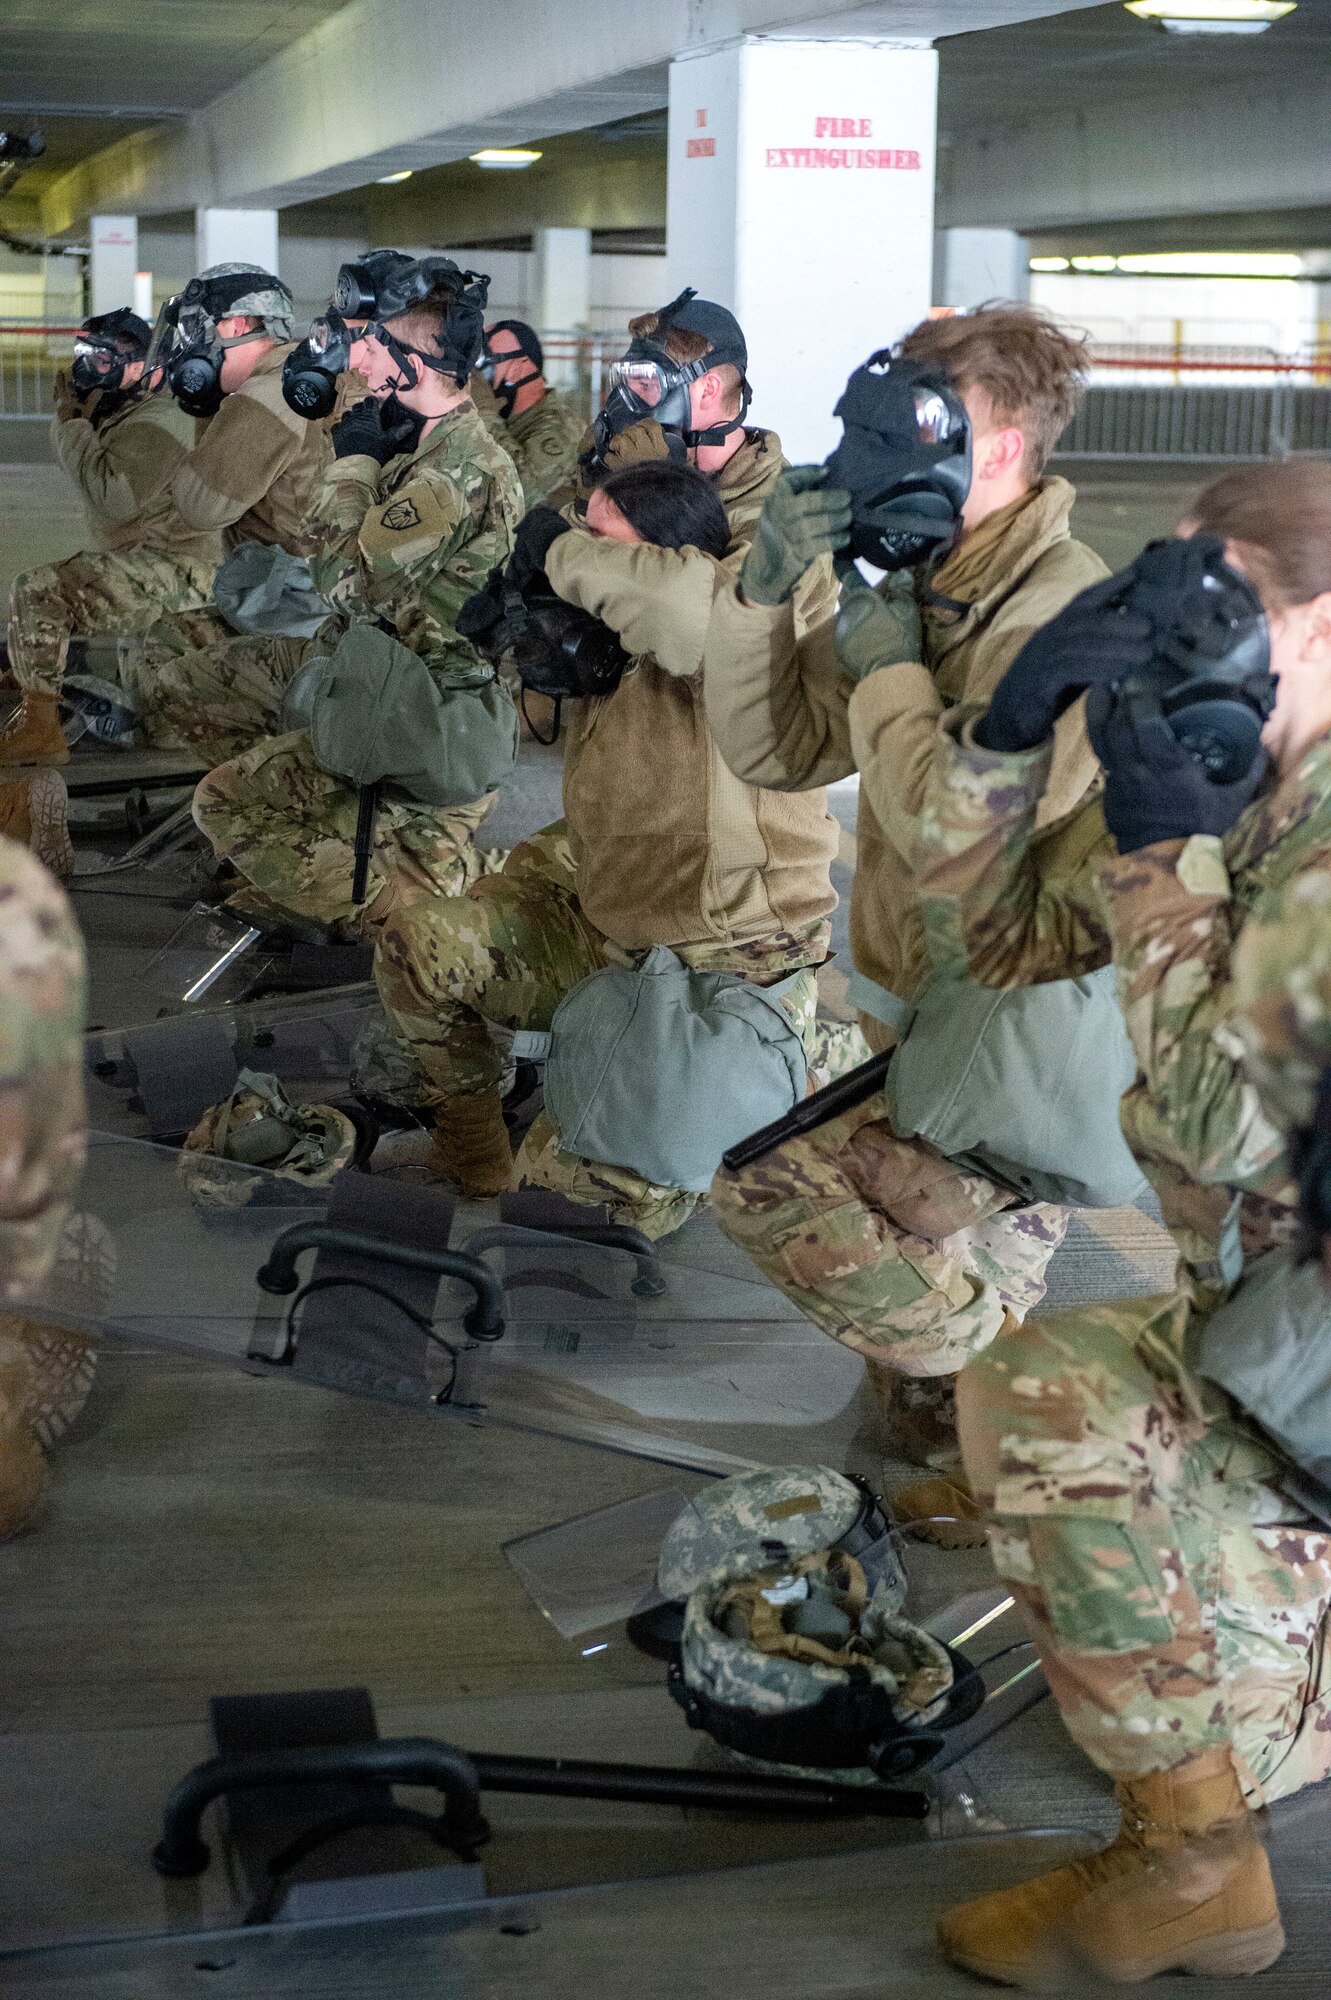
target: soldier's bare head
1021 378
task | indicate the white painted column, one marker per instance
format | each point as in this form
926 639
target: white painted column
235 236
560 294
982 264
114 262
801 195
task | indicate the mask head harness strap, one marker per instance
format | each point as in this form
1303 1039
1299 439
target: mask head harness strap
671 407
531 351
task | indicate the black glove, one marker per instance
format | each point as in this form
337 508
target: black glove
536 536
1154 789
402 425
1088 644
483 610
362 433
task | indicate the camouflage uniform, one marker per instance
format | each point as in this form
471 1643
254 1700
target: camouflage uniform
1178 1597
748 888
42 987
413 540
879 1240
543 443
144 559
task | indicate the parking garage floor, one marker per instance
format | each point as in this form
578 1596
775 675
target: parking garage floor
211 1533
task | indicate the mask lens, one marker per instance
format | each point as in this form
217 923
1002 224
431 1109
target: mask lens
196 327
642 380
93 358
326 333
933 419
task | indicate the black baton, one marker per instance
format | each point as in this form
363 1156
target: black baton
811 1112
365 817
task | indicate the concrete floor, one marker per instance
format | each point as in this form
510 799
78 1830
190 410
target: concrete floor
208 1533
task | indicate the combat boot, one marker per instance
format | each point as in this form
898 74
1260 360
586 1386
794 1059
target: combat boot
35 812
941 1510
1186 1887
916 1414
475 1153
22 1464
32 734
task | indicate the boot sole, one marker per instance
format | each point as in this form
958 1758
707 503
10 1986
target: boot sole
48 810
1233 1954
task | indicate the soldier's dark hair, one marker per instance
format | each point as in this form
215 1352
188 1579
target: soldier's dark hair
1031 371
1278 515
674 506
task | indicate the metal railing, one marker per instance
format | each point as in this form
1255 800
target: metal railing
1146 400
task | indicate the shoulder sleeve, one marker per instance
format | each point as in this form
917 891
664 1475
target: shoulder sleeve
246 447
777 700
659 601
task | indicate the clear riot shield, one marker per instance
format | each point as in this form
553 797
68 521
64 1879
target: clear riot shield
156 1080
678 1352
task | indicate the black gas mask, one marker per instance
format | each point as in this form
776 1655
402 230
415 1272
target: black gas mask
556 649
647 383
1211 670
188 345
905 460
383 284
528 349
103 348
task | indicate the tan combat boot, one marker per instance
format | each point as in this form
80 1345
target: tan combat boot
473 1144
32 734
22 1465
941 1510
1186 1887
35 812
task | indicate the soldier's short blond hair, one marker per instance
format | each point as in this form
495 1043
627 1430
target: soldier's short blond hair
1031 371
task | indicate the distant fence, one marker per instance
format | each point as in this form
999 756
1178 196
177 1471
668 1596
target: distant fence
1145 401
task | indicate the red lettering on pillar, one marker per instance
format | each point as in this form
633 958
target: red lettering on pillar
702 149
700 118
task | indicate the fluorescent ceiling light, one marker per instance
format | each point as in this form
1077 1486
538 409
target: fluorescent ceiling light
391 180
1095 263
512 157
1212 17
1214 264
1049 263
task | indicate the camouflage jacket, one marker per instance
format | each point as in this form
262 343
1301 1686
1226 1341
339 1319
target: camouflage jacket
1018 908
42 995
1282 997
257 466
411 541
786 716
123 468
543 443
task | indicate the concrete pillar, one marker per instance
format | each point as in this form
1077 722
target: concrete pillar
561 287
235 236
980 264
801 195
114 261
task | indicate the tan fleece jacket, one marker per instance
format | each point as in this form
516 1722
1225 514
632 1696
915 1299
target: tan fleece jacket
785 716
254 473
123 469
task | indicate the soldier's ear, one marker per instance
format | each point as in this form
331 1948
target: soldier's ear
1317 627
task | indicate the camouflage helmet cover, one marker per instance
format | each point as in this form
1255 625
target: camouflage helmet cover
267 299
739 1525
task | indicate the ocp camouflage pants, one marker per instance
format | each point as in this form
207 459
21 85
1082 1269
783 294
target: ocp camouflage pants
504 955
93 595
289 826
1178 1599
197 685
886 1245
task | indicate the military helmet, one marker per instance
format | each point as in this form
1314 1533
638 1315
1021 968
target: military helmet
777 1514
267 298
805 1665
259 1127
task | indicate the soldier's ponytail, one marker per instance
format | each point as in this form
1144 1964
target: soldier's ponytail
1278 515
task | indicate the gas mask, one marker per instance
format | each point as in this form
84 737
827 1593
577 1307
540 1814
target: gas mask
556 649
1211 672
528 348
103 347
187 343
905 460
648 383
381 285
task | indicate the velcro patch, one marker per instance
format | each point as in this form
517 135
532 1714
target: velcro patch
802 1503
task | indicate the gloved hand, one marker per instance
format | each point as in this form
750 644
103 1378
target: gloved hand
401 425
536 536
1086 645
1154 790
361 433
483 610
877 628
643 440
69 403
802 519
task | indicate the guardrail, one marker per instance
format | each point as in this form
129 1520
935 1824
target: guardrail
1145 401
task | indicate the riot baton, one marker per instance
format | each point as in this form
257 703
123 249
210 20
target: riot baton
365 817
811 1112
